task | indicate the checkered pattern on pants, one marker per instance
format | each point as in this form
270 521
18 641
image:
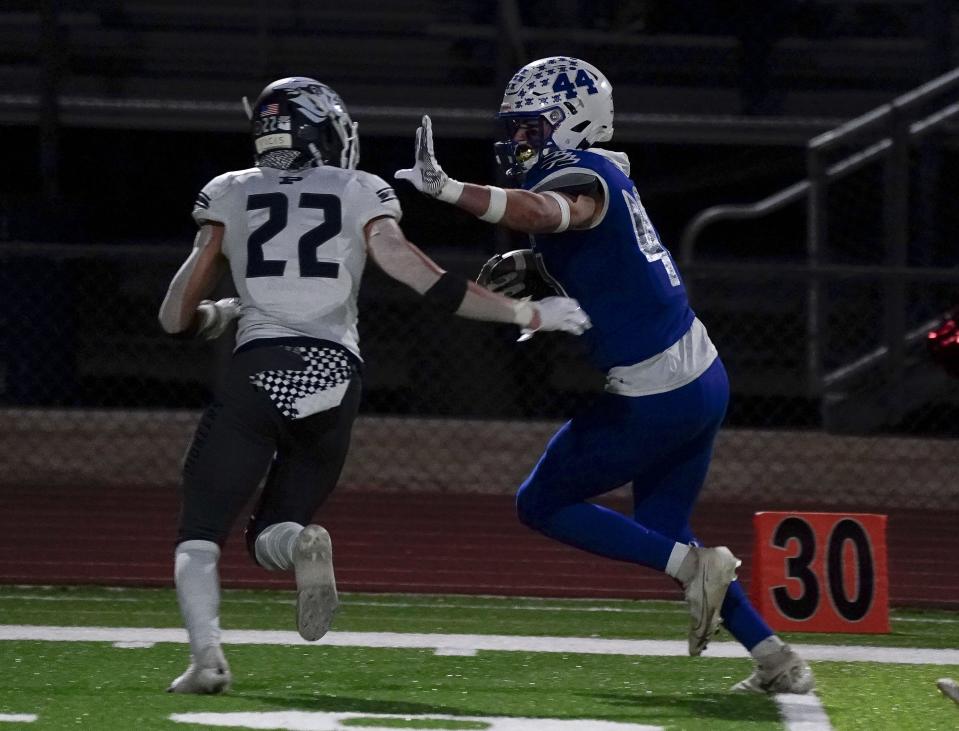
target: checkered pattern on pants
326 369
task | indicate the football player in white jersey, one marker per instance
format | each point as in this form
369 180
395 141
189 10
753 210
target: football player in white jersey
294 232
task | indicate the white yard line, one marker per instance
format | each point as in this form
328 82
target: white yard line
927 620
319 721
498 605
464 644
802 712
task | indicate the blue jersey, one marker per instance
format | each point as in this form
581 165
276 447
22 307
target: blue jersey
619 270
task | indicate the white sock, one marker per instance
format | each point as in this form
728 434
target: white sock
274 545
676 558
770 645
198 591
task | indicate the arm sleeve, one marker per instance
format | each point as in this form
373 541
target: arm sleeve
574 183
371 197
210 203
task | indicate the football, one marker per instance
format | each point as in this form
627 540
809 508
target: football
517 274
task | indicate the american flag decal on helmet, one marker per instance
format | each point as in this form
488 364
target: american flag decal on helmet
268 109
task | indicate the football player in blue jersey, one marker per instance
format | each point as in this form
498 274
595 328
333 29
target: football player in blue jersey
666 389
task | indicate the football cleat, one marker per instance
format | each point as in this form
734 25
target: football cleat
781 672
209 673
316 598
949 688
713 571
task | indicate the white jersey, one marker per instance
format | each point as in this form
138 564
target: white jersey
296 246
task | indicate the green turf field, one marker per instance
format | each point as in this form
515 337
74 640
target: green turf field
357 678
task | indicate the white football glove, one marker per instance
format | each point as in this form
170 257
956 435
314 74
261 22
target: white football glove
426 175
215 317
559 313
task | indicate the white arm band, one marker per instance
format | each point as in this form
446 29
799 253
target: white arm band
497 205
563 210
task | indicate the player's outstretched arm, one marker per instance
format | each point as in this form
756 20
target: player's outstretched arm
403 261
520 210
185 312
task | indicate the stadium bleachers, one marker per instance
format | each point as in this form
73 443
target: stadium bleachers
446 54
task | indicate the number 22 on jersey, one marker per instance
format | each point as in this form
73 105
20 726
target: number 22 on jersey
277 206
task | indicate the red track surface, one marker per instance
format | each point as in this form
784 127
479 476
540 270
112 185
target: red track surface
422 542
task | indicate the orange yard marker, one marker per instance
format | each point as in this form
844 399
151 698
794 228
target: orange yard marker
821 572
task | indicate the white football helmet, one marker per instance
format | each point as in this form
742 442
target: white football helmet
571 98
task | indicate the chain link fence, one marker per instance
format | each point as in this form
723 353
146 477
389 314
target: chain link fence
828 413
93 392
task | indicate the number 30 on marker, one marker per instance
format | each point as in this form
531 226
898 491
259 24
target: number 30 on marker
821 572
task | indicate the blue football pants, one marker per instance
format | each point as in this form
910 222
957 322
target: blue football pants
662 444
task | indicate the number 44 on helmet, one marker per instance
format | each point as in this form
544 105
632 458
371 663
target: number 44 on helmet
519 274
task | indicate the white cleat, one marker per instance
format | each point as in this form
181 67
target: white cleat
208 673
714 570
949 688
316 598
782 672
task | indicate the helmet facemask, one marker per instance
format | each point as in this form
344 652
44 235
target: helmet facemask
331 142
527 136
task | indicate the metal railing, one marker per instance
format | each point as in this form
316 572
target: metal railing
887 131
